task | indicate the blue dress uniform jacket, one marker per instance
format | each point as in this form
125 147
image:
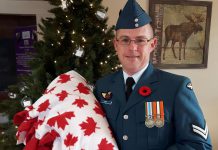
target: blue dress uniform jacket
184 125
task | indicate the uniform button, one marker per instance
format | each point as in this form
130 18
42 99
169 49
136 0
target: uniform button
136 25
125 137
125 117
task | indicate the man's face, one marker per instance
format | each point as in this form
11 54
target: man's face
135 55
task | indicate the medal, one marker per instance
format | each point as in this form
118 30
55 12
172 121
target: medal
149 121
159 123
160 115
154 114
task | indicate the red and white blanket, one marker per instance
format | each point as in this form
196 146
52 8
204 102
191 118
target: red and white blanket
66 116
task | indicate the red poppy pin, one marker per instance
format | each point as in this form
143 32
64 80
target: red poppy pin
144 91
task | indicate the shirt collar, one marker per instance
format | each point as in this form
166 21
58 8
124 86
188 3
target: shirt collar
135 76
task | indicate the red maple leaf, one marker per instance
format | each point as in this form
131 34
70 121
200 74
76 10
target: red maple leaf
70 140
80 102
98 109
62 95
49 91
82 88
61 119
43 106
63 78
104 145
89 126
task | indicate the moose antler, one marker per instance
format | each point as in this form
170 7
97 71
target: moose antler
194 17
199 17
189 17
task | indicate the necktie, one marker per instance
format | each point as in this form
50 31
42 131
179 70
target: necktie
129 83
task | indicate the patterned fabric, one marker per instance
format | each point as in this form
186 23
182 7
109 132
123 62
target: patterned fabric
67 116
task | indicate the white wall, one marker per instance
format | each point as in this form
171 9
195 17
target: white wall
39 8
205 81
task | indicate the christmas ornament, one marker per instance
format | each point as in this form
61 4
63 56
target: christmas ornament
79 51
26 101
62 37
3 119
23 88
101 14
12 95
64 5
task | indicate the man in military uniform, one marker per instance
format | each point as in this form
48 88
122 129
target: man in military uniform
148 108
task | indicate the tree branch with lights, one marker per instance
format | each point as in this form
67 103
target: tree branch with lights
78 38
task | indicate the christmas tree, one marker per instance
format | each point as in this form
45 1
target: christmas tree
78 38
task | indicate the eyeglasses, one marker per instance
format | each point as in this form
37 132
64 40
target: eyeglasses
138 41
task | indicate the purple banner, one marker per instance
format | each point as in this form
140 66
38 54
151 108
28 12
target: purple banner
24 40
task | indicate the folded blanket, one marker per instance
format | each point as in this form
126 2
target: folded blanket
66 116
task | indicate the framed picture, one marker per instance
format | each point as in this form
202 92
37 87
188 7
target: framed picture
182 28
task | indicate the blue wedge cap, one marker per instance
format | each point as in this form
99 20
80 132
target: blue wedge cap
132 16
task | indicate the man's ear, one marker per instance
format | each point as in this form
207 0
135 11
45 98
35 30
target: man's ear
153 43
115 44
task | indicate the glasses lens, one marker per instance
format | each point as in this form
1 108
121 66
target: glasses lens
124 41
141 41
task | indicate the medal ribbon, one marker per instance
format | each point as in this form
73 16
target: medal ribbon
150 110
154 108
155 112
162 111
158 109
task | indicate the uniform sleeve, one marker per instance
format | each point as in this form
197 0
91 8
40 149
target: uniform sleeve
190 126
